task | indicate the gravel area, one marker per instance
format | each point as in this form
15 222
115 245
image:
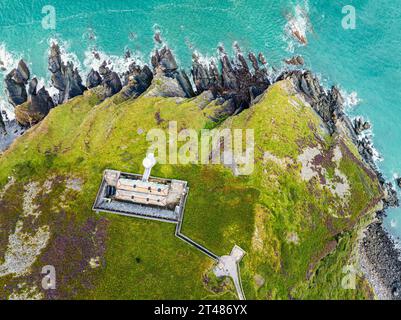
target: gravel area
380 262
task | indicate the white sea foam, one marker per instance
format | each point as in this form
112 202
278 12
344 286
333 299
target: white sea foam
377 157
8 60
7 108
205 59
65 53
41 83
66 56
120 64
368 134
351 99
298 26
13 131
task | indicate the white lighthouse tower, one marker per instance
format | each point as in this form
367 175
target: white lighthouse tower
149 162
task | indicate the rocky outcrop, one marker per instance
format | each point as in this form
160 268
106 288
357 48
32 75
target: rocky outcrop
360 125
164 61
390 195
237 85
380 262
295 61
379 258
38 106
137 81
23 71
93 79
2 126
111 81
398 181
328 104
166 70
27 111
166 87
65 77
9 132
15 84
206 76
365 148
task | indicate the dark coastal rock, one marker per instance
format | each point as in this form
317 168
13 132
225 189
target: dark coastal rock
360 125
379 259
185 83
205 76
165 66
32 110
36 108
112 84
157 37
40 99
365 148
104 69
64 77
262 58
167 87
32 86
390 196
163 60
133 70
111 81
328 104
9 132
23 72
2 126
93 79
15 91
138 81
228 75
236 82
396 289
336 98
127 54
398 181
15 84
295 61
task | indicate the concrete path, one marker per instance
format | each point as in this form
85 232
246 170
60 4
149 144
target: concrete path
198 246
228 266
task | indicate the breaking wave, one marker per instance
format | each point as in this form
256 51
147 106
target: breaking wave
298 26
351 99
8 61
119 64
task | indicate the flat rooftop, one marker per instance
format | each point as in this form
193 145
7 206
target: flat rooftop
156 199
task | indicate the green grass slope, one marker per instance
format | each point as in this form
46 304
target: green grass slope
298 233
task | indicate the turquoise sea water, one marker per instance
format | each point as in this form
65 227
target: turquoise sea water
363 61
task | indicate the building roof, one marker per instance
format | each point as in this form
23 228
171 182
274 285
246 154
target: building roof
142 187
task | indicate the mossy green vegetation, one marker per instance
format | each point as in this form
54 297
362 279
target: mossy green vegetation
298 233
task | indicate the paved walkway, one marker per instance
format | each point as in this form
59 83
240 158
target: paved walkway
228 266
